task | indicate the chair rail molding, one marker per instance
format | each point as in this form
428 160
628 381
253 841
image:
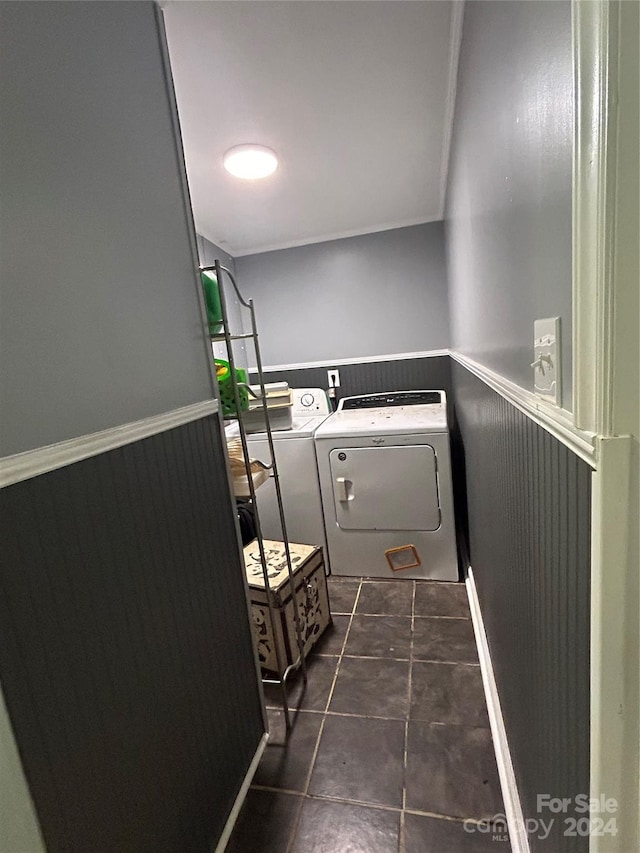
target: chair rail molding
32 463
364 359
558 422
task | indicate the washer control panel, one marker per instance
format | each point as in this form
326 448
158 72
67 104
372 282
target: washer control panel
310 401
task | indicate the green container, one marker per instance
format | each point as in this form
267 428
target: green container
212 300
227 398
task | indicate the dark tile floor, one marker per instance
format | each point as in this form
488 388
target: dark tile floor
391 750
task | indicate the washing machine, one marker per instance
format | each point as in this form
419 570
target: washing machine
297 470
385 479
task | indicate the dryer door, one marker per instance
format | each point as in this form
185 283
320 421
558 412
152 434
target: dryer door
385 488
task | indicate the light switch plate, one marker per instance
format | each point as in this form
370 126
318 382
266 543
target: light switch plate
547 355
333 378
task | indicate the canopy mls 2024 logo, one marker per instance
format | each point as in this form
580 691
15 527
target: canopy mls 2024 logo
581 815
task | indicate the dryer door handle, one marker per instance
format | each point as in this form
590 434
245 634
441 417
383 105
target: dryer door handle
343 487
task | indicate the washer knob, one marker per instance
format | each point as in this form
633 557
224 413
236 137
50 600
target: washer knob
307 400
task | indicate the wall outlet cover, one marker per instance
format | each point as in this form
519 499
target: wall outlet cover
547 355
333 378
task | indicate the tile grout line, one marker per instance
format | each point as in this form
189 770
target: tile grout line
366 657
412 659
342 650
406 724
295 825
451 818
305 793
435 616
349 715
401 810
351 802
290 792
401 616
445 662
369 805
381 615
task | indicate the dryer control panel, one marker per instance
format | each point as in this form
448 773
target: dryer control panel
393 398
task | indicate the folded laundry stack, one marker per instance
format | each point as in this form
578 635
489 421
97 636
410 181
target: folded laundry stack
279 407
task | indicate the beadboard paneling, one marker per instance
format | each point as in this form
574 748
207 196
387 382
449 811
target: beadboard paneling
125 650
529 504
371 377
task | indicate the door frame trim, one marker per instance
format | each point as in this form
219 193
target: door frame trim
604 259
594 162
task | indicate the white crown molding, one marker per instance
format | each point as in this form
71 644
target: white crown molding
512 806
365 359
32 463
558 422
340 235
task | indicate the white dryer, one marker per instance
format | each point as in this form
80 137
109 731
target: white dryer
385 478
297 470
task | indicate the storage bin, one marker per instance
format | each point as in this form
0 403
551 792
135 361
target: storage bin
311 594
225 386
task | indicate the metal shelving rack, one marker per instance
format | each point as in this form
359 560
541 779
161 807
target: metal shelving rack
227 338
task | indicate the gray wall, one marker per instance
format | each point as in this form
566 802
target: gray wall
101 318
509 196
126 656
361 296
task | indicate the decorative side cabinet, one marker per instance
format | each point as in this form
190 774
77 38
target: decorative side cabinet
312 598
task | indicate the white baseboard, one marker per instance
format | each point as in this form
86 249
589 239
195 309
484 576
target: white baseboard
242 793
512 807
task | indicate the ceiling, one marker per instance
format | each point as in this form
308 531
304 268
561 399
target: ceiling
356 97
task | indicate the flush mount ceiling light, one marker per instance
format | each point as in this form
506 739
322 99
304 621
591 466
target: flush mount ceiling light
250 161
